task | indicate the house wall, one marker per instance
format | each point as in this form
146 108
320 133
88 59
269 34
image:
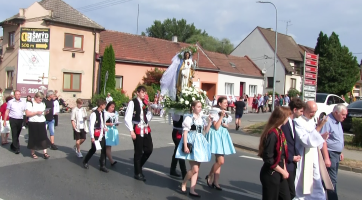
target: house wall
288 83
60 60
133 74
256 47
226 78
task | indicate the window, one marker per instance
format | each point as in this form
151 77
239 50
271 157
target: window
293 83
270 82
73 41
119 82
252 90
9 79
11 39
72 82
229 88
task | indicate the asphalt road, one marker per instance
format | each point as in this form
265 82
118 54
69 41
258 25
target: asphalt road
62 177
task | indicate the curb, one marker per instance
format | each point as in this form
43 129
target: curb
341 167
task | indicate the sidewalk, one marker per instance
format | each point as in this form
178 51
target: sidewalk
251 143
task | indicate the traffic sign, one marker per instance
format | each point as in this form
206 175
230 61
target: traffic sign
311 62
311 56
310 76
310 88
310 69
309 94
310 82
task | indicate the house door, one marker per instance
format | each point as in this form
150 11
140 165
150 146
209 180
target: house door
210 89
241 89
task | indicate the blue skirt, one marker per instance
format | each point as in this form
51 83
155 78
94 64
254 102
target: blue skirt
112 136
220 141
200 150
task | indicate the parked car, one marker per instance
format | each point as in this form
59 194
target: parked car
354 111
326 103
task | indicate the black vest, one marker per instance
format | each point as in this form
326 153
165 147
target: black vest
97 124
137 112
178 124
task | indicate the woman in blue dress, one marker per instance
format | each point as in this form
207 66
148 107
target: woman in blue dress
220 141
111 135
193 127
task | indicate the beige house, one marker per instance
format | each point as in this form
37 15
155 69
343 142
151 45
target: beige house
49 45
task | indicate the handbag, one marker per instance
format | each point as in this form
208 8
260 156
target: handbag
189 146
97 132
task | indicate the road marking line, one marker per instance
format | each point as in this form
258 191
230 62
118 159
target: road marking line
255 158
124 134
248 194
171 143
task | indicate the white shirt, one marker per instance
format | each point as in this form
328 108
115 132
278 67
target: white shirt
109 99
92 121
291 125
80 119
35 107
129 114
56 107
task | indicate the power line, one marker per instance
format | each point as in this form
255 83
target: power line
100 6
95 4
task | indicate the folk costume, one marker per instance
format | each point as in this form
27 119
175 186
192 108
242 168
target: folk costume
111 136
200 147
176 137
274 186
310 169
96 131
136 119
220 140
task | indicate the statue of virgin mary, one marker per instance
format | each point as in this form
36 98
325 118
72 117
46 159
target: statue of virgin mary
178 75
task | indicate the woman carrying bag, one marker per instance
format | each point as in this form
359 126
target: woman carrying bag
111 136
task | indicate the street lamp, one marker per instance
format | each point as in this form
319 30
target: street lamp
276 47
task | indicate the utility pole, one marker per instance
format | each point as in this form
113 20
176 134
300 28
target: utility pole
288 24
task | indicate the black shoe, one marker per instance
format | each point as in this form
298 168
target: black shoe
17 152
53 147
174 173
85 165
139 177
103 169
237 127
114 163
207 181
217 188
194 195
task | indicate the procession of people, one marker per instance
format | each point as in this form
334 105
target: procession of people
300 161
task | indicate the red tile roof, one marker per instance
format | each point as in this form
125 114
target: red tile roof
234 64
136 48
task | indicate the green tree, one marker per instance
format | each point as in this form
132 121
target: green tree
108 64
338 69
172 27
212 44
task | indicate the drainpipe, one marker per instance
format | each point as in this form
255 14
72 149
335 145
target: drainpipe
94 60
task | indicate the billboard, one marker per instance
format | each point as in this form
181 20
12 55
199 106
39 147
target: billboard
34 38
33 70
310 76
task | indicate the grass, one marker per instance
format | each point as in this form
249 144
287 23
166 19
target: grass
255 129
351 163
348 144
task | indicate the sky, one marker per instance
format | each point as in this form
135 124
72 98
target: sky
232 19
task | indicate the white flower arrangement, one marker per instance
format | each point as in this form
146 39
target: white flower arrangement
187 96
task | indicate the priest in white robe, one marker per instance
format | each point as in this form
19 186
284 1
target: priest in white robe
308 181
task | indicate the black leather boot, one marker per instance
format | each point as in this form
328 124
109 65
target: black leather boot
102 167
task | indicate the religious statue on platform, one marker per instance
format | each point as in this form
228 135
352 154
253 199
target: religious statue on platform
185 73
179 74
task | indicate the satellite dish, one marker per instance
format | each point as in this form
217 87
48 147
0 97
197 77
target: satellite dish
263 71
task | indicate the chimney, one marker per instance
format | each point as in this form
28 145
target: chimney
21 12
270 29
174 38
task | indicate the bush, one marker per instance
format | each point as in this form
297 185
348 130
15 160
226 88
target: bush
119 97
271 93
150 91
357 130
293 93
